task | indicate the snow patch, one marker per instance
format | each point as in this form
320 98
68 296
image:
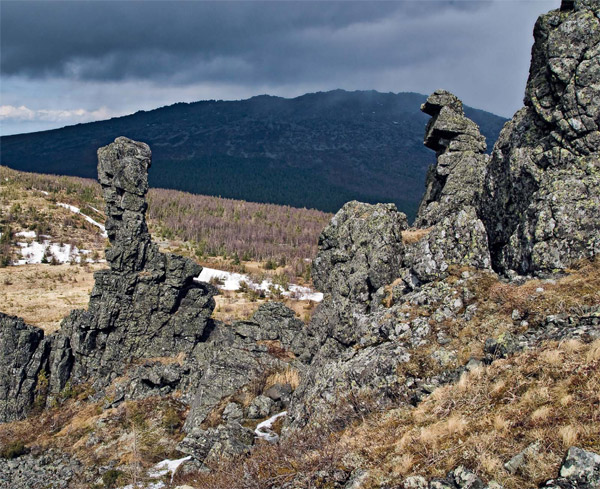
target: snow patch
34 252
263 430
77 210
232 281
25 234
141 485
166 466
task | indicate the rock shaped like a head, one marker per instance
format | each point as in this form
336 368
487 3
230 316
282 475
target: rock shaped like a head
449 129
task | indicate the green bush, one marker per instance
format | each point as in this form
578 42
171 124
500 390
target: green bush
111 477
13 450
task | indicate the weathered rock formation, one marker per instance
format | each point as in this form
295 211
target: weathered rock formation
542 206
23 358
234 364
359 252
456 180
147 304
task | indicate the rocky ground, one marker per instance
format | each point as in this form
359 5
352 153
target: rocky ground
461 353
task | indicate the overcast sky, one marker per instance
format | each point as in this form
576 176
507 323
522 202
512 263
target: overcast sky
64 62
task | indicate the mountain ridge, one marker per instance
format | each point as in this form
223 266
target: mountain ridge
317 150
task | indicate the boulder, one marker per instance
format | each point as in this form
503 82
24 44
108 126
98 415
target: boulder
360 251
542 185
580 470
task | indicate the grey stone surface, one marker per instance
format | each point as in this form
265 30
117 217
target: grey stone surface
580 470
360 251
582 466
147 304
50 470
23 355
456 180
234 358
542 187
459 239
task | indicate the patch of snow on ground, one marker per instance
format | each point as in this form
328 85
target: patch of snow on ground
263 430
33 253
232 281
25 234
166 466
77 210
141 485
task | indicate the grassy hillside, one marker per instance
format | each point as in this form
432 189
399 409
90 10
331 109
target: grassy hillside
319 150
260 240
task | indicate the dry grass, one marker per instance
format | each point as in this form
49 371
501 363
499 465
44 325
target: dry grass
289 376
144 432
44 294
482 421
537 298
489 416
413 235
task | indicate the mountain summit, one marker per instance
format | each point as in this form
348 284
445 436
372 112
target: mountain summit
319 150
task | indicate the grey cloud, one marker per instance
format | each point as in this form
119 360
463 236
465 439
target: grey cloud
124 40
129 55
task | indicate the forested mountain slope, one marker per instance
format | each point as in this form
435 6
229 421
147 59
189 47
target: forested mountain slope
319 150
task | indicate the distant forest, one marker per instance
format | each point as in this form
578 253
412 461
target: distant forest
241 231
317 151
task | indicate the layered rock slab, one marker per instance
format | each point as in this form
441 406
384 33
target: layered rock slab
542 186
456 180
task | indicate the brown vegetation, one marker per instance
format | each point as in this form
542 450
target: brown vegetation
44 294
202 227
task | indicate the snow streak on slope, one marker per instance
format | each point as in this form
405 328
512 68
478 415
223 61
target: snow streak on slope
77 210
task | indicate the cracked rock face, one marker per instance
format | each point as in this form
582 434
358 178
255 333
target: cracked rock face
147 304
542 188
456 180
23 355
360 251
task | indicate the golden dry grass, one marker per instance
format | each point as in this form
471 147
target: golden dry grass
491 415
146 430
44 294
414 235
289 376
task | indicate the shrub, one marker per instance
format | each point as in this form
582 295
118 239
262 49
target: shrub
111 477
13 450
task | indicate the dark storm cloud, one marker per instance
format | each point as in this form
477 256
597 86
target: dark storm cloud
65 62
219 41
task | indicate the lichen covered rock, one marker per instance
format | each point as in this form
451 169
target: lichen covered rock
542 187
147 304
23 357
456 180
359 252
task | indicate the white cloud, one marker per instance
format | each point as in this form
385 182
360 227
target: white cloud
23 113
20 113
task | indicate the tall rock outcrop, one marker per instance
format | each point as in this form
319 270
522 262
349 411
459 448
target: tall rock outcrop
360 251
147 304
23 357
453 193
542 188
456 180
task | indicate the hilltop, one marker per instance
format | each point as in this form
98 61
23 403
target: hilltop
460 353
319 150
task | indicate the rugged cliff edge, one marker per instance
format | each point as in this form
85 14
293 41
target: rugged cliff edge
458 299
